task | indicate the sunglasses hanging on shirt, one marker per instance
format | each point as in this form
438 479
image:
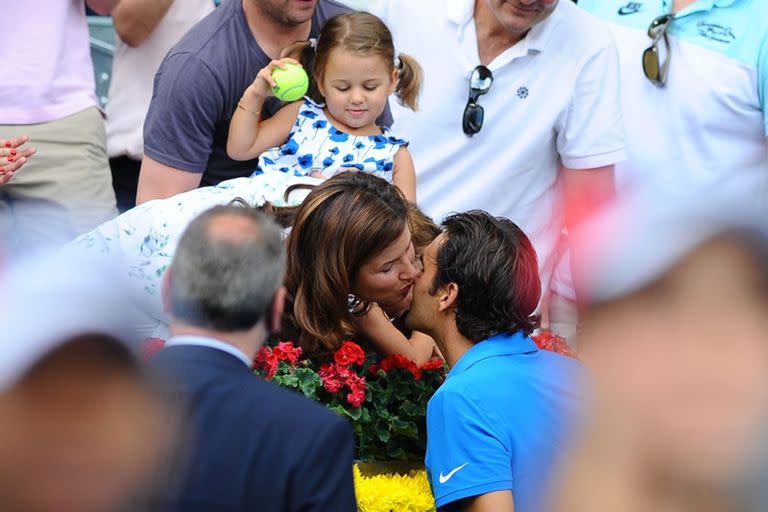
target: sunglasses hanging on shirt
654 67
479 83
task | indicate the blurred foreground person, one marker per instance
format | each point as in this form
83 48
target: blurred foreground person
677 340
82 426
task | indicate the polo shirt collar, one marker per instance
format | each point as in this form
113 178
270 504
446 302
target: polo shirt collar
460 12
499 345
698 6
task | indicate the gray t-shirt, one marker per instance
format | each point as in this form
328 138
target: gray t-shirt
198 86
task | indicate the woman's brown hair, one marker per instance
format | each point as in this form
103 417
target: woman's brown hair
363 34
341 224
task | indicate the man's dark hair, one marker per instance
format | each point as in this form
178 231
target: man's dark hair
495 267
226 281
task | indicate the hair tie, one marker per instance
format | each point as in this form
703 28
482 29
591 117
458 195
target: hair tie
313 42
398 62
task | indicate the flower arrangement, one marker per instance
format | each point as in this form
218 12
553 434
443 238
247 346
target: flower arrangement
385 399
385 493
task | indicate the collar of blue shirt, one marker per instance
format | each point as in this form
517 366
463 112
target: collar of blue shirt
201 341
499 345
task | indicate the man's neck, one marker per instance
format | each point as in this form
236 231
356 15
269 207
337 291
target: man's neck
451 343
271 35
679 5
248 342
492 38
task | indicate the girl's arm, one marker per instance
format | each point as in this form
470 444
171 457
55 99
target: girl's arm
388 340
403 174
248 136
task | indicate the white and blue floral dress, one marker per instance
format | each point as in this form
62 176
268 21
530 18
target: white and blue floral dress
143 239
315 145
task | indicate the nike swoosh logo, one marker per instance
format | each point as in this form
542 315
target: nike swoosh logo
444 478
625 11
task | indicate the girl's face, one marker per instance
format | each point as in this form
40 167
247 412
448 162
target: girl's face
356 87
388 277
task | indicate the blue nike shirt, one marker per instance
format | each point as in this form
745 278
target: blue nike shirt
500 420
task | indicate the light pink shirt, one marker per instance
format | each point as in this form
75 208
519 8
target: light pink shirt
46 53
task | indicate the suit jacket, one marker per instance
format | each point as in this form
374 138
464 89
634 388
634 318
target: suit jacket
252 445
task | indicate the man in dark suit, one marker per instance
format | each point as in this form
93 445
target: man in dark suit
253 446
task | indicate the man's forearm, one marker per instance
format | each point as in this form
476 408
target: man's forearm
136 20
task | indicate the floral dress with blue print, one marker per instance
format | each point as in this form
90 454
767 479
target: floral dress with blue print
315 145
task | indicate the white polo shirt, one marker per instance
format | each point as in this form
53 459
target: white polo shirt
706 129
133 73
554 99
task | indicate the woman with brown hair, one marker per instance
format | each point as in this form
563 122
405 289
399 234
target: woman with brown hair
352 264
351 258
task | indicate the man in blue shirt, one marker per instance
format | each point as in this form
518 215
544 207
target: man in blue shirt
497 424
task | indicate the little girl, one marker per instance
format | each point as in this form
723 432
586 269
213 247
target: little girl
354 70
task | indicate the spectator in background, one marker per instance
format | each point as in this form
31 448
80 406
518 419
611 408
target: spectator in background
50 96
253 445
146 30
199 83
695 94
83 426
520 111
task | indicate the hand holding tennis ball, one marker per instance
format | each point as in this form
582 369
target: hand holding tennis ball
291 82
284 78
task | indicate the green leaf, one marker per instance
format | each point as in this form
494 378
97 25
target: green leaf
308 381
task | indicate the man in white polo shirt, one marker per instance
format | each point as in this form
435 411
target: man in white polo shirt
546 79
695 94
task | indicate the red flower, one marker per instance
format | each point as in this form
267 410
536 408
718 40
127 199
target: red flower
266 361
150 347
349 352
286 351
400 361
373 369
433 364
332 382
357 387
546 340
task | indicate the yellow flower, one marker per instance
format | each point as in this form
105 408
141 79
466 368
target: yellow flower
394 492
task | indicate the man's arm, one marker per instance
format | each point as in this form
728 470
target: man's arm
135 20
102 7
499 501
158 181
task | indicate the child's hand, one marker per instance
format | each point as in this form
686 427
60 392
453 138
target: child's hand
263 83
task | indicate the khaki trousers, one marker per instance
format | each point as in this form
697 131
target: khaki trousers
65 189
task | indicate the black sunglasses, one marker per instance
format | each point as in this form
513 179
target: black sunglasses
479 83
654 69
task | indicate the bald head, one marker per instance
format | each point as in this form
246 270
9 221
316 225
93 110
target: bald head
228 265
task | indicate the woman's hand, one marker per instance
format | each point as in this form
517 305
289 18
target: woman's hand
264 83
12 157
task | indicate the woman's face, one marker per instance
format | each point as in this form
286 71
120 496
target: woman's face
388 277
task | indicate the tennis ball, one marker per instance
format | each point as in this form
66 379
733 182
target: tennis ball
292 82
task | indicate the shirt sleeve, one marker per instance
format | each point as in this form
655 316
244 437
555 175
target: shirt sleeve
466 456
187 100
591 131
